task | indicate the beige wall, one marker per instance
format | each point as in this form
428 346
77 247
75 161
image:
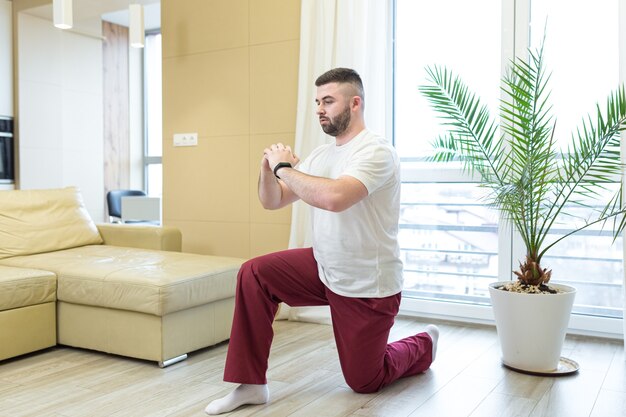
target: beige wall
230 70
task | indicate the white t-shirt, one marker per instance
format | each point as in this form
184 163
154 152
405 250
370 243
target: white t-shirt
357 249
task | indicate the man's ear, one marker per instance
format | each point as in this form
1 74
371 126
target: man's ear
355 102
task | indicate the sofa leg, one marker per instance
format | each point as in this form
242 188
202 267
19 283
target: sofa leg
172 361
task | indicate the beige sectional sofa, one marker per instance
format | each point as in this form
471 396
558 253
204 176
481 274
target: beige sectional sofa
121 289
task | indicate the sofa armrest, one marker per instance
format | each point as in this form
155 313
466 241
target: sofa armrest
143 237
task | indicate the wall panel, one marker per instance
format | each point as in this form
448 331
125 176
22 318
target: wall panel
230 72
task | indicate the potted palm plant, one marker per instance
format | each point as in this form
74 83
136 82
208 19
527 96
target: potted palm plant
532 183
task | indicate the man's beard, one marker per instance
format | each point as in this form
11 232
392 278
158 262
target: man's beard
339 124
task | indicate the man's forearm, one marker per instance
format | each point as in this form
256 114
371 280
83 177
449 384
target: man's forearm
324 193
270 193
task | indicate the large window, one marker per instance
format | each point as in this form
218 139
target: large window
452 245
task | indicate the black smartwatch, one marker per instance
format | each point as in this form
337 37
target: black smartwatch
279 166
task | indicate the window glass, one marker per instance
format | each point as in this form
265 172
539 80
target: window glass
449 242
585 68
448 237
462 35
581 53
153 96
153 115
155 179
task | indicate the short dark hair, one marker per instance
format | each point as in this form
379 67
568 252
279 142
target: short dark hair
342 76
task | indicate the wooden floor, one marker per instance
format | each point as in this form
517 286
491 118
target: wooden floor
305 380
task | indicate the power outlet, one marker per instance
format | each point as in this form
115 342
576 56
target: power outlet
185 139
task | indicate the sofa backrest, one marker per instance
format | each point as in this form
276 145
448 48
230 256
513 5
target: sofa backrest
37 221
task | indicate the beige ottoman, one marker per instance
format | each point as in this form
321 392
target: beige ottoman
27 310
146 304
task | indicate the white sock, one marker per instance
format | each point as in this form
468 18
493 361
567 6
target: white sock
433 332
243 394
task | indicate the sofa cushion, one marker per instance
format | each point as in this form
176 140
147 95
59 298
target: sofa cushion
147 281
22 287
37 221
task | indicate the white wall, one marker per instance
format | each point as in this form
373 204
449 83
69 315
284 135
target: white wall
60 110
6 59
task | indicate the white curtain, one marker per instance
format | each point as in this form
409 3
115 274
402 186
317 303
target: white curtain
338 33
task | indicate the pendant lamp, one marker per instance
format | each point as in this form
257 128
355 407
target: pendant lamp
62 13
136 25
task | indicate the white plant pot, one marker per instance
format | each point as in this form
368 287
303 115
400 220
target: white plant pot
532 327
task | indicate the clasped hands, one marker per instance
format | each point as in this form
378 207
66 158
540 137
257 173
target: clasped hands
279 153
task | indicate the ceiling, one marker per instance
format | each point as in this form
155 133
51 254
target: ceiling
85 12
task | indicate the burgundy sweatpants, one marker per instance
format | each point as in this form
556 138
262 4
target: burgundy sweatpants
361 325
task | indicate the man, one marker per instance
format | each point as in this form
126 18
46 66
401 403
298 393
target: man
353 188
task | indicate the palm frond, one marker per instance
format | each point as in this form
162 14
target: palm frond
518 160
472 132
592 160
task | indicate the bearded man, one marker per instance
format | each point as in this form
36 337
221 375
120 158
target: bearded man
353 189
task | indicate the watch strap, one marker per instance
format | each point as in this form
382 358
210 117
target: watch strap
279 166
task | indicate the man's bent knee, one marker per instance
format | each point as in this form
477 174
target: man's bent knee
361 388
